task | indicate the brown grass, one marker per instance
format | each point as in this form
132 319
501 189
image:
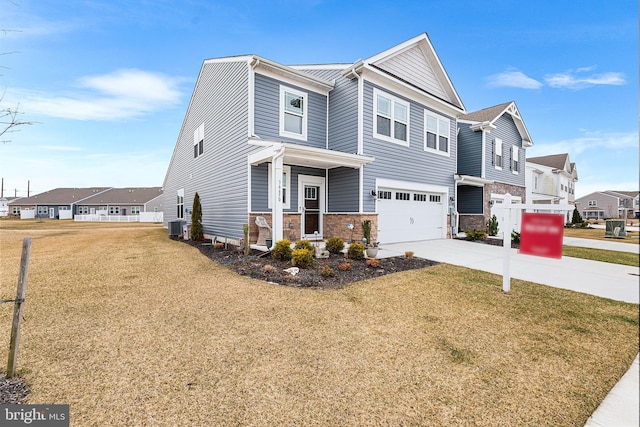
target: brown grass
598 234
131 328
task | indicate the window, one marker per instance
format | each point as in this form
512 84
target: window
497 153
384 195
15 210
515 159
391 118
592 203
293 113
417 197
135 210
180 204
83 210
198 141
285 186
535 182
436 134
311 193
114 210
402 196
43 210
434 198
63 208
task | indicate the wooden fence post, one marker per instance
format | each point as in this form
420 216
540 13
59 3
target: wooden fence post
17 308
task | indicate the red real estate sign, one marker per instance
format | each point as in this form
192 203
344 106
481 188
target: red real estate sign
541 234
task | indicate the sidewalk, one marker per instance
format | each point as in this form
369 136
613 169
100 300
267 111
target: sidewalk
621 406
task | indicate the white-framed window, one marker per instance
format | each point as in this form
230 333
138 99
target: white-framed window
180 204
15 210
114 210
42 210
386 195
83 210
293 113
535 182
593 203
311 193
435 198
419 197
135 210
497 153
515 159
63 208
390 118
285 186
437 131
402 195
198 141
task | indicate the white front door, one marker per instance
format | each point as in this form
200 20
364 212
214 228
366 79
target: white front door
52 213
311 205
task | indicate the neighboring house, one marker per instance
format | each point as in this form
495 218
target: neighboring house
552 180
123 201
315 148
56 203
492 147
4 207
609 204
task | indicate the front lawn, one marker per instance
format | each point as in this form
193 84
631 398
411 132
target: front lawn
132 328
598 234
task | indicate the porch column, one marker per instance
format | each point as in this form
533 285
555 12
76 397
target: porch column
276 196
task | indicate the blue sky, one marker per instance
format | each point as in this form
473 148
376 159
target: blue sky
108 82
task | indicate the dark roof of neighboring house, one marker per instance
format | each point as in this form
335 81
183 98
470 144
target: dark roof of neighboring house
59 196
486 114
125 196
556 161
631 194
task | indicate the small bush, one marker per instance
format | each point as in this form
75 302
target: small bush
515 237
302 258
373 262
476 234
334 245
492 226
408 254
304 244
356 251
282 250
327 271
345 266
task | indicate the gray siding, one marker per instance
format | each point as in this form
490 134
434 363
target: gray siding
260 184
508 132
398 162
267 113
469 151
343 190
219 175
470 199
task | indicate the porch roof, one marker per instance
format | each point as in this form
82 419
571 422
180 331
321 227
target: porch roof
301 155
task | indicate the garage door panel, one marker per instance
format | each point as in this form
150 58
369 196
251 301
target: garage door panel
409 216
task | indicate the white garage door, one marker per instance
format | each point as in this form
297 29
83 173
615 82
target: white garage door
405 216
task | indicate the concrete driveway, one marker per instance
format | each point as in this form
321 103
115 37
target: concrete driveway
606 280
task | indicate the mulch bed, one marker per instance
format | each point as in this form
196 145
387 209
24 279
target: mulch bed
271 270
12 390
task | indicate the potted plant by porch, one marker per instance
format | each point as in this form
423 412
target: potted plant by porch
371 248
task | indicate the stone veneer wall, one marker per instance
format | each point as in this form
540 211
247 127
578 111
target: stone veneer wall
334 225
469 222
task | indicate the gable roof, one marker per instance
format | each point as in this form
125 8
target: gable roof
125 196
413 64
555 161
60 196
490 115
623 194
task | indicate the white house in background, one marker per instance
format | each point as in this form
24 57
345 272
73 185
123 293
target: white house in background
4 207
609 204
551 180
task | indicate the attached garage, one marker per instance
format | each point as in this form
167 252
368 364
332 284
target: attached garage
410 214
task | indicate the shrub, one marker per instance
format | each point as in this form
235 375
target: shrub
345 266
492 226
373 262
327 271
356 251
366 230
476 234
335 245
282 250
304 244
515 237
197 232
302 258
408 254
576 218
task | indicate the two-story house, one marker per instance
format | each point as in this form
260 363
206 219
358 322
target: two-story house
609 204
492 145
552 180
315 148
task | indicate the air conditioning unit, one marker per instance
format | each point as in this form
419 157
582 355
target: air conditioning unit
175 227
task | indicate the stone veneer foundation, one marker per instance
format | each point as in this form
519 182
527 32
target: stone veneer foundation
479 221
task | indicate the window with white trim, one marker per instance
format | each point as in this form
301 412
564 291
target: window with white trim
15 210
42 210
198 141
419 197
83 210
285 186
63 208
390 118
435 198
386 195
180 204
293 113
402 196
497 153
592 203
135 210
515 159
114 210
437 131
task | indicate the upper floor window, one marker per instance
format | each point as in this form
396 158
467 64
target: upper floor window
180 204
592 203
535 182
515 159
198 141
293 113
437 132
391 118
497 153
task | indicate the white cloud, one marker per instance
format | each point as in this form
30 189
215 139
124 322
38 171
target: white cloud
573 79
120 95
590 140
513 79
